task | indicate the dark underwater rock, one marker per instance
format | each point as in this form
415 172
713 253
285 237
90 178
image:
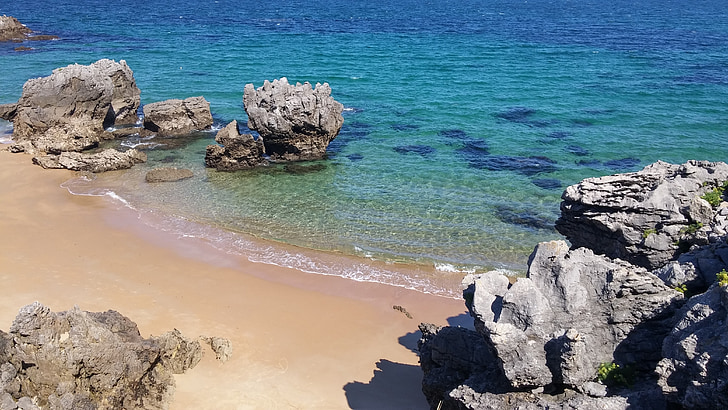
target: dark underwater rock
168 175
547 183
523 217
577 150
422 150
524 165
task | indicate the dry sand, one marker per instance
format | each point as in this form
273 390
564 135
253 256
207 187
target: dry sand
300 340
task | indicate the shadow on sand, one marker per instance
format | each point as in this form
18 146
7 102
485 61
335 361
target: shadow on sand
396 385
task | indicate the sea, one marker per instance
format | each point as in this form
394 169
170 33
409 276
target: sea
464 119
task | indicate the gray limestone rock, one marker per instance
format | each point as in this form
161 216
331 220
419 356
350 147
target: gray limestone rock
12 30
69 110
236 151
106 160
694 370
646 218
178 117
296 122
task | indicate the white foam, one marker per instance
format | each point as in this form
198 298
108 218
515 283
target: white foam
450 268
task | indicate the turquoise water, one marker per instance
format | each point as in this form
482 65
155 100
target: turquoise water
464 120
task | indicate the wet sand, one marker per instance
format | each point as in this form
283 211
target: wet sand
300 340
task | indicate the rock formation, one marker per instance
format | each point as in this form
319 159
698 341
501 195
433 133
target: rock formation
296 122
540 342
236 151
106 160
646 218
69 110
85 360
168 174
177 117
12 30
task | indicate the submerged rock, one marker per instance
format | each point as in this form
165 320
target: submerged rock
296 122
87 360
168 175
236 151
642 217
178 117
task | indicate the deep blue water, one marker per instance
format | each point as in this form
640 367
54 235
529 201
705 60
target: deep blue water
465 120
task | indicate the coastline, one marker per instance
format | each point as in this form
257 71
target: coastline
300 340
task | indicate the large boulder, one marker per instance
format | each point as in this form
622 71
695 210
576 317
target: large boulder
86 360
296 122
178 117
648 217
236 151
12 30
106 160
70 109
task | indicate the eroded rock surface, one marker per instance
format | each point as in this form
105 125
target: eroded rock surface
86 360
539 342
106 160
178 117
236 151
11 29
296 122
70 109
646 218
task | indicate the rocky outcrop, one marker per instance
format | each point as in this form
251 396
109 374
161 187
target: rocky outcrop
296 122
86 360
694 370
12 30
583 330
236 151
106 160
646 218
70 109
168 174
178 117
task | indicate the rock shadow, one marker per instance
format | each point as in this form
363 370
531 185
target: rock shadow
393 386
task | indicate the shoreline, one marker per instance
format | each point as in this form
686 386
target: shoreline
299 339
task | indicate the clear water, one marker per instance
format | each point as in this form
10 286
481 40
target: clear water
465 120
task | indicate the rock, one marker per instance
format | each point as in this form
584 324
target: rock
694 370
11 29
168 175
296 122
236 151
177 117
7 111
87 360
70 109
222 347
643 217
106 160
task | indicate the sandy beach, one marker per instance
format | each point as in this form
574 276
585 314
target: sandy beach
300 340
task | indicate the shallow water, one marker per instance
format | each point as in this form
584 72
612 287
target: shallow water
464 121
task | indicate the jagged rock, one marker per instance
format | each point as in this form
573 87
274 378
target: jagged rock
168 174
86 360
178 117
236 151
643 217
222 347
7 111
106 160
696 269
694 369
296 122
69 110
11 29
